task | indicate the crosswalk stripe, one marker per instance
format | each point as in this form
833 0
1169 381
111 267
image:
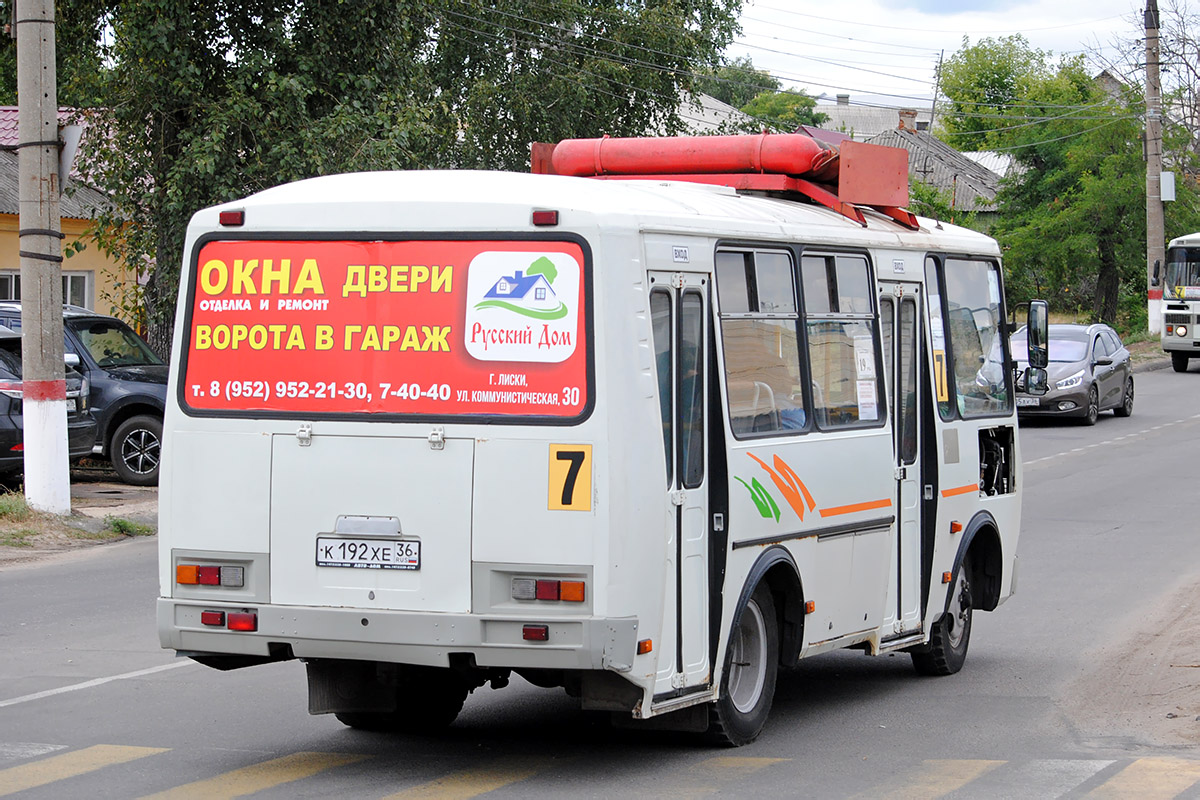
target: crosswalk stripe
68 765
1150 779
474 782
19 751
713 771
937 777
1040 779
257 777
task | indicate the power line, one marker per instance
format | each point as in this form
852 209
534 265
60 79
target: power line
990 31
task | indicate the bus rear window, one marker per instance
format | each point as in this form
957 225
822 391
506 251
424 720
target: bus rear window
427 328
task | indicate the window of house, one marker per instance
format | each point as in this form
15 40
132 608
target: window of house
76 287
756 292
842 346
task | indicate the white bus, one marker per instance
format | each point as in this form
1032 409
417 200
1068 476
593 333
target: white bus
1181 301
646 440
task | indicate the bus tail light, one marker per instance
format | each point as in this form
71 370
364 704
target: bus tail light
243 620
536 633
210 575
216 618
548 589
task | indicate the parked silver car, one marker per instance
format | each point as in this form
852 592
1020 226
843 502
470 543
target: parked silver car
1089 372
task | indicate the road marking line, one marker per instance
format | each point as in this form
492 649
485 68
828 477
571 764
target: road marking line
1150 778
97 682
474 782
728 768
257 777
939 777
1139 434
69 765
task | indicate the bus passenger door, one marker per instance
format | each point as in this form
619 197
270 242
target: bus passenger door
679 307
901 327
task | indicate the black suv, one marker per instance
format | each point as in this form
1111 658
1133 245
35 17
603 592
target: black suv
129 387
81 428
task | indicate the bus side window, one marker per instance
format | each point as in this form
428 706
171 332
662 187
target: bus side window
760 338
841 340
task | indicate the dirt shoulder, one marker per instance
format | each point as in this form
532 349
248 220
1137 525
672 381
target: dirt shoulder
103 511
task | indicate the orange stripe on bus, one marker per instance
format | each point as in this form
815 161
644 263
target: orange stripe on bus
850 509
970 487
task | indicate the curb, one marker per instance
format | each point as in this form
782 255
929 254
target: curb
1150 366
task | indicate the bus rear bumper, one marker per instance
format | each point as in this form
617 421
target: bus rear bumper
402 637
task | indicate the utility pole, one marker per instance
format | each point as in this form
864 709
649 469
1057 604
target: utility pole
47 480
1155 229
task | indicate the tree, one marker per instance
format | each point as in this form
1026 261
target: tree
784 111
205 101
736 82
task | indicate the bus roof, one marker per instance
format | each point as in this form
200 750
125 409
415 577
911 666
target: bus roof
491 201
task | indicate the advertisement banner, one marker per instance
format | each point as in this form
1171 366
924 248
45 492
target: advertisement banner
392 327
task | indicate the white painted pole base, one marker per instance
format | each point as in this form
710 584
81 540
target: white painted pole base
1154 315
47 476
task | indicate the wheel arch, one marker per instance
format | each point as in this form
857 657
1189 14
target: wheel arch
776 567
981 541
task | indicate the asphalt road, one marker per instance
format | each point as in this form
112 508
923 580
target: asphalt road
90 706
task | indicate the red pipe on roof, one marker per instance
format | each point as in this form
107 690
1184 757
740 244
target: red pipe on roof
780 153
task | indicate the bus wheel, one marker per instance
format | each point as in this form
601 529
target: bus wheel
751 663
947 649
430 699
1179 362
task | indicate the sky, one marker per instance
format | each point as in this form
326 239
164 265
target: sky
886 53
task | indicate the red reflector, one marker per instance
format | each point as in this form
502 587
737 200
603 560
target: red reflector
233 217
547 590
209 576
18 448
243 621
213 618
536 633
545 218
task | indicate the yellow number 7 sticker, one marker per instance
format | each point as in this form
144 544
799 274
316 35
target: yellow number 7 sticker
570 477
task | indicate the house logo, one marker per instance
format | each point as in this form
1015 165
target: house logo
522 306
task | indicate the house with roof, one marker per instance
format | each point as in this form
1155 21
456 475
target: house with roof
531 291
91 279
969 185
862 120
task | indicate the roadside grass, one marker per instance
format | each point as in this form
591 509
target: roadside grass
127 527
24 528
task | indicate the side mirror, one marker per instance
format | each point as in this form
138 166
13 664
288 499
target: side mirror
1036 381
1154 278
71 359
1104 361
1038 334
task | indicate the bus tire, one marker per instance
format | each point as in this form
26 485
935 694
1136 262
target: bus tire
1179 361
951 635
748 680
431 699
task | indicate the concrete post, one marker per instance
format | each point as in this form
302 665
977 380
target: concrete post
1156 238
47 479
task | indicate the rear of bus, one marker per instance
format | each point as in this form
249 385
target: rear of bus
379 449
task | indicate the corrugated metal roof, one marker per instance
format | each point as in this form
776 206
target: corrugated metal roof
930 160
80 201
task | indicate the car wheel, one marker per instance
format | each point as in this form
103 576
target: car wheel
1179 362
1093 407
951 635
751 664
136 448
1126 407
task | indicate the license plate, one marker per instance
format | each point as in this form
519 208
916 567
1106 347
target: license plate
368 553
1027 401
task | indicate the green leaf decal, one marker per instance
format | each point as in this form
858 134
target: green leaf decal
761 497
543 266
